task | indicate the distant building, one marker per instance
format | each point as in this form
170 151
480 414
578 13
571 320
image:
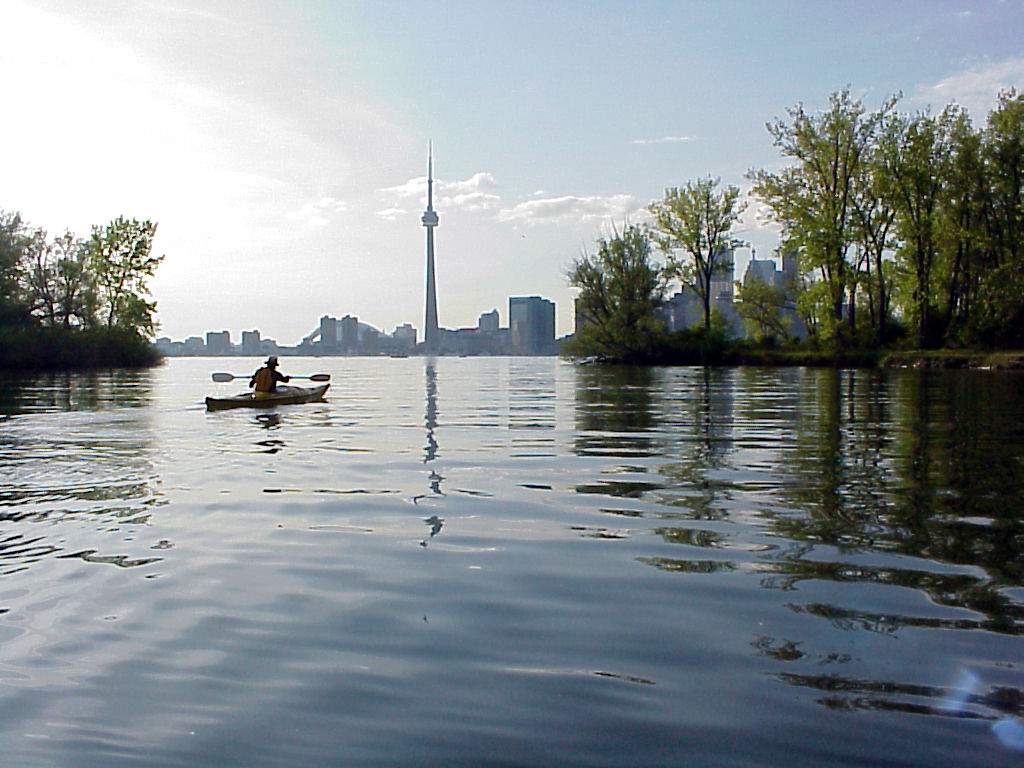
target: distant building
489 321
405 338
766 271
218 343
349 333
722 288
531 321
328 334
761 269
251 343
683 310
194 346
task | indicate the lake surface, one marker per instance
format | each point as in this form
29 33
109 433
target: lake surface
508 561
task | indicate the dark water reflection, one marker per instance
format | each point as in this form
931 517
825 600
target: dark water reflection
514 562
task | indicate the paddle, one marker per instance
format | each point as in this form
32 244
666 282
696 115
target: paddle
222 377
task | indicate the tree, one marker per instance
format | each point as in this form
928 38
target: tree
76 291
813 198
697 220
120 257
873 224
963 242
40 276
620 289
761 307
998 315
12 256
915 155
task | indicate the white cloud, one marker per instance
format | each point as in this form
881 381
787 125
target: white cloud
475 193
391 214
665 140
572 208
317 213
975 88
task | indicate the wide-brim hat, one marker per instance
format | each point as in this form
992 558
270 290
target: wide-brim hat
272 360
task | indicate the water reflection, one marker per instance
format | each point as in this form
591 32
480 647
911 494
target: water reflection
77 473
614 411
430 418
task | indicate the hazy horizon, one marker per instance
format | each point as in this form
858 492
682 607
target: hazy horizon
282 148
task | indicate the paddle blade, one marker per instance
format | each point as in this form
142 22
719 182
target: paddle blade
320 377
222 377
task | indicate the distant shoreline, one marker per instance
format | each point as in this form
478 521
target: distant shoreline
777 358
48 349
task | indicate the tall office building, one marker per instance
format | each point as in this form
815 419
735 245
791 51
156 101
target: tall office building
722 281
218 342
251 342
488 322
349 333
431 334
531 322
328 333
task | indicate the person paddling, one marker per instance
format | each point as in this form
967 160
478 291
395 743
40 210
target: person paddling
264 381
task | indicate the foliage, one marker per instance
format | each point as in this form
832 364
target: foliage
52 290
813 199
761 306
12 256
620 289
39 347
913 220
697 219
120 257
915 159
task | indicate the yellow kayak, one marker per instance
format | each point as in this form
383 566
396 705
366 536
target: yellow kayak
284 395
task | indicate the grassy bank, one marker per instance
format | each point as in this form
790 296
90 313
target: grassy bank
953 358
694 348
36 348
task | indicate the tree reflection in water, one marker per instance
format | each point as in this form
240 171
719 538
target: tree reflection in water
901 479
99 468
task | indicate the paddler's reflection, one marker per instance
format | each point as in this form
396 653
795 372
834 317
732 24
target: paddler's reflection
269 421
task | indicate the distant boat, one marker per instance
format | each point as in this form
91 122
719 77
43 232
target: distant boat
398 354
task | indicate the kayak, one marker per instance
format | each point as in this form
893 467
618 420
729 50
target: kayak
283 396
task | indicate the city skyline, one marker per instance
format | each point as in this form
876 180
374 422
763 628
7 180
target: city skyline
279 146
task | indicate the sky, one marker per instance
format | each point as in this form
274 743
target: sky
281 146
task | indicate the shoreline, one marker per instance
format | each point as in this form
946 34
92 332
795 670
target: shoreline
944 359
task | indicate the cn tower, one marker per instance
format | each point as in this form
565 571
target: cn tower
431 334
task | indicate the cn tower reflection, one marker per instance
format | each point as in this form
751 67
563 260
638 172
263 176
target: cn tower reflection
434 522
430 419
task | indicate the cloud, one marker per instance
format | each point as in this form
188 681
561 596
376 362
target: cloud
571 208
317 213
475 193
975 88
665 140
391 214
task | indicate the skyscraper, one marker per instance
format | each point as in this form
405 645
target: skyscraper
431 334
531 322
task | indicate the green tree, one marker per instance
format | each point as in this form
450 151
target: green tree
121 260
874 218
620 289
813 198
963 238
13 307
915 153
75 286
697 219
998 316
761 306
40 276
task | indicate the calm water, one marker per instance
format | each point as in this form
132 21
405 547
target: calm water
513 562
